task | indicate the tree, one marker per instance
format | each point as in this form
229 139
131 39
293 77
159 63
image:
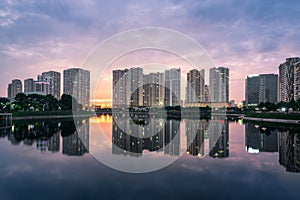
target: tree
20 97
21 103
261 105
4 104
68 102
270 106
298 104
292 104
52 103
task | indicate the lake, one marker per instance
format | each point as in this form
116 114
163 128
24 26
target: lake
142 157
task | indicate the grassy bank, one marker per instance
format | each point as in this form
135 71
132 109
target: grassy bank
291 116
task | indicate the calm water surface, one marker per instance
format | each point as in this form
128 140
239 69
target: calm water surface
221 159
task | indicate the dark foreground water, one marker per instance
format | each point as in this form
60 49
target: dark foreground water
222 159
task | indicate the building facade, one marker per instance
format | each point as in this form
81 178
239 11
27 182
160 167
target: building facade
154 90
268 88
53 78
286 79
195 89
173 87
136 86
251 90
128 88
77 84
219 84
261 88
14 88
121 88
28 85
42 87
297 81
132 88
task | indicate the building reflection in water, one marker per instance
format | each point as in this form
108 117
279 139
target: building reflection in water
53 143
46 135
134 133
172 137
285 141
260 139
131 135
214 130
77 142
195 131
289 150
218 138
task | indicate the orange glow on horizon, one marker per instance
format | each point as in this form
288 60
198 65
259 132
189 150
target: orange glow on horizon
102 119
103 103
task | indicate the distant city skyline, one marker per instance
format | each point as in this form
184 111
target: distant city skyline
75 82
132 88
258 87
108 98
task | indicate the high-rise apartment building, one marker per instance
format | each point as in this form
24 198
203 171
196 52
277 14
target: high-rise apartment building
53 78
136 86
9 87
121 89
219 84
287 79
268 88
172 87
28 85
251 90
206 93
77 84
131 88
261 88
128 88
154 90
195 89
14 88
297 80
41 87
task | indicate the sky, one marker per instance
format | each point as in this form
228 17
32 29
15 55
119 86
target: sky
249 36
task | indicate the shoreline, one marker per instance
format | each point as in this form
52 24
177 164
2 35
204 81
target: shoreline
49 117
185 115
272 120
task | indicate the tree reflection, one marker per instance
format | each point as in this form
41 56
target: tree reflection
47 135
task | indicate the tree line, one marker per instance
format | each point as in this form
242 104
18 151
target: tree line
267 106
37 102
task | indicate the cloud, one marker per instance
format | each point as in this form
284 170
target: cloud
251 34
